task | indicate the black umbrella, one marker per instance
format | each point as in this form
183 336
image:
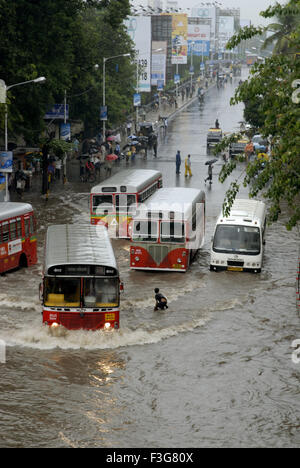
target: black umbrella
212 161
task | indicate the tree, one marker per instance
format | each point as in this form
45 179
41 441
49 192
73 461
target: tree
272 84
59 40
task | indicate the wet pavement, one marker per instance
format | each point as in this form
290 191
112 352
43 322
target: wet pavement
214 370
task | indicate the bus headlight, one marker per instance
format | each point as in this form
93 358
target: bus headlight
107 325
54 325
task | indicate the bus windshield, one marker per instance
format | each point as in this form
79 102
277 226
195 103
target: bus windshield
145 231
237 239
101 292
102 203
62 292
172 232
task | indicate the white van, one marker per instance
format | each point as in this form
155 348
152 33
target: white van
238 240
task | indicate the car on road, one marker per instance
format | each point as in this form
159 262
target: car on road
238 147
214 136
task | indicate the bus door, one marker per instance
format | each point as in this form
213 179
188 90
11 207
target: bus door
125 209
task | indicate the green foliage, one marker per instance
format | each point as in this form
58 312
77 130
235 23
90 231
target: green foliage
62 40
271 87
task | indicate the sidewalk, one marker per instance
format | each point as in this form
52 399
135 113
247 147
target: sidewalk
73 165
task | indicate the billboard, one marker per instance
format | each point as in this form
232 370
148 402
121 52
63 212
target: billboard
199 39
58 111
209 14
179 38
226 30
159 60
139 29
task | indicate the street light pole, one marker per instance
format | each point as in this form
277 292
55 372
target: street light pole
192 67
103 73
41 79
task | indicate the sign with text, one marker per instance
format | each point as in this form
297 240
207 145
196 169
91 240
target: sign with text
6 161
179 38
199 40
58 111
159 60
139 29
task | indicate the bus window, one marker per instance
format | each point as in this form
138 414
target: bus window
145 231
101 292
12 229
172 231
32 225
102 203
237 239
124 203
62 292
27 221
5 233
19 228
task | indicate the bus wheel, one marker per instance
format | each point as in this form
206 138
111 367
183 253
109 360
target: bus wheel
23 261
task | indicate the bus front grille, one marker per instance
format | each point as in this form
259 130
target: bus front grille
86 321
158 253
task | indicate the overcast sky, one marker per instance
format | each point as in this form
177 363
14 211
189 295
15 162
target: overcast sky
249 8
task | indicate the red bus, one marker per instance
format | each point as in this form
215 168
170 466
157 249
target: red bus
114 201
168 230
81 284
17 236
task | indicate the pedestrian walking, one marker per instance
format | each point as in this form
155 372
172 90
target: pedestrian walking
178 162
154 145
188 165
161 301
209 172
249 151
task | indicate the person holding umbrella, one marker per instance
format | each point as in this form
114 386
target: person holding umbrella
209 172
178 162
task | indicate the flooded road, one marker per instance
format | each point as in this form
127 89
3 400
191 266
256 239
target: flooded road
214 370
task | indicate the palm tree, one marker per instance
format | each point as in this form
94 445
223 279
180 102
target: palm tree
282 31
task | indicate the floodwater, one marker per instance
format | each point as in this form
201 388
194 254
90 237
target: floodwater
214 370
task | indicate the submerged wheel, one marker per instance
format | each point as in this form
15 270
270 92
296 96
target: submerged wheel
23 263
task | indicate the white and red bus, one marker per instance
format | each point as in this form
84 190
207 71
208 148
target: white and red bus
17 236
81 285
168 230
113 202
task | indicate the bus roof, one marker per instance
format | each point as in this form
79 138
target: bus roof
69 244
11 209
245 211
172 199
134 180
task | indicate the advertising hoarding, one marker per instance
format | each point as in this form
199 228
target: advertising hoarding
199 34
159 60
179 38
6 161
139 29
226 30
